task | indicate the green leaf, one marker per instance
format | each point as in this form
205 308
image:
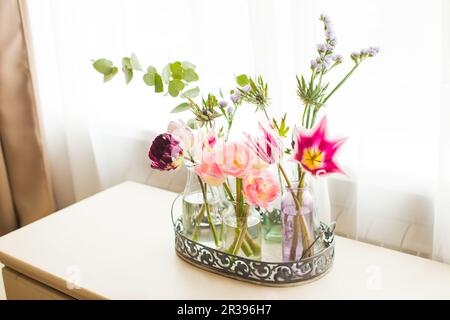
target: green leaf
177 70
111 75
252 85
135 63
159 86
175 86
104 66
190 75
181 107
128 74
242 80
126 62
149 79
166 73
187 65
127 69
151 69
191 93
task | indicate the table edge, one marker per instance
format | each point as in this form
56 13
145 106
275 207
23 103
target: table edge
48 279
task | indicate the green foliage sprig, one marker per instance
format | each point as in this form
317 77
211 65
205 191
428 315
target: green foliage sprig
254 91
174 79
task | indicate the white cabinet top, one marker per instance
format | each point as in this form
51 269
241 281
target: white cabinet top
119 244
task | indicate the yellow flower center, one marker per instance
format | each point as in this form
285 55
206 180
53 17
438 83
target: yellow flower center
312 158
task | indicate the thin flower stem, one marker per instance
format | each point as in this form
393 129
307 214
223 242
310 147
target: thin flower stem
208 214
340 83
241 217
304 114
241 237
198 220
308 114
227 189
254 246
297 220
306 238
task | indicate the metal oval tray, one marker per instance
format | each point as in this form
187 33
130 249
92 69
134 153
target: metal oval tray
278 274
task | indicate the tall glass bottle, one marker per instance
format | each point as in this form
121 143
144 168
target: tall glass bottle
202 208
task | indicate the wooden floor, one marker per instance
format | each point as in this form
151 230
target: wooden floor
2 289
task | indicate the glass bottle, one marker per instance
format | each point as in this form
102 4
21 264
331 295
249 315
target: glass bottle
298 220
202 208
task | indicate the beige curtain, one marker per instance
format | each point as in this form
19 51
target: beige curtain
25 189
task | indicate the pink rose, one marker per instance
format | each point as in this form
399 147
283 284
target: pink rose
260 188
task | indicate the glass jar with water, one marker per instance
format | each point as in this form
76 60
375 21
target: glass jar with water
202 209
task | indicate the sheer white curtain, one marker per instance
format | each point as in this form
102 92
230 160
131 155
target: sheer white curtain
395 107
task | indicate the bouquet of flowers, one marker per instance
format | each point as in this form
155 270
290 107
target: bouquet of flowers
231 182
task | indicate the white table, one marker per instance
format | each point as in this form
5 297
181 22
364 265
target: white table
119 245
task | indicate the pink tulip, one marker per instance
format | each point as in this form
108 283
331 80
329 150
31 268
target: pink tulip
260 188
209 171
181 131
315 152
268 147
234 158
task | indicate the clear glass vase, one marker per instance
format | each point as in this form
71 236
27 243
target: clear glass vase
298 220
242 231
202 209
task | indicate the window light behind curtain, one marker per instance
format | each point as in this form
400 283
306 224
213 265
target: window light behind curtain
395 108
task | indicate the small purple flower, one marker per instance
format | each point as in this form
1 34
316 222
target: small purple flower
165 152
330 36
330 47
313 64
373 51
320 67
246 88
235 97
355 56
223 104
327 60
337 58
230 110
321 48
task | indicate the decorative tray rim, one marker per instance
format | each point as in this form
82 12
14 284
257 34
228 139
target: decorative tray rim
278 274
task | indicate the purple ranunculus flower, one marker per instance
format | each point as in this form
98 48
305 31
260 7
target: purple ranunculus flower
165 152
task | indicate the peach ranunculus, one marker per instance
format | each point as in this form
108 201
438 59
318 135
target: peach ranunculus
209 171
234 158
260 188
